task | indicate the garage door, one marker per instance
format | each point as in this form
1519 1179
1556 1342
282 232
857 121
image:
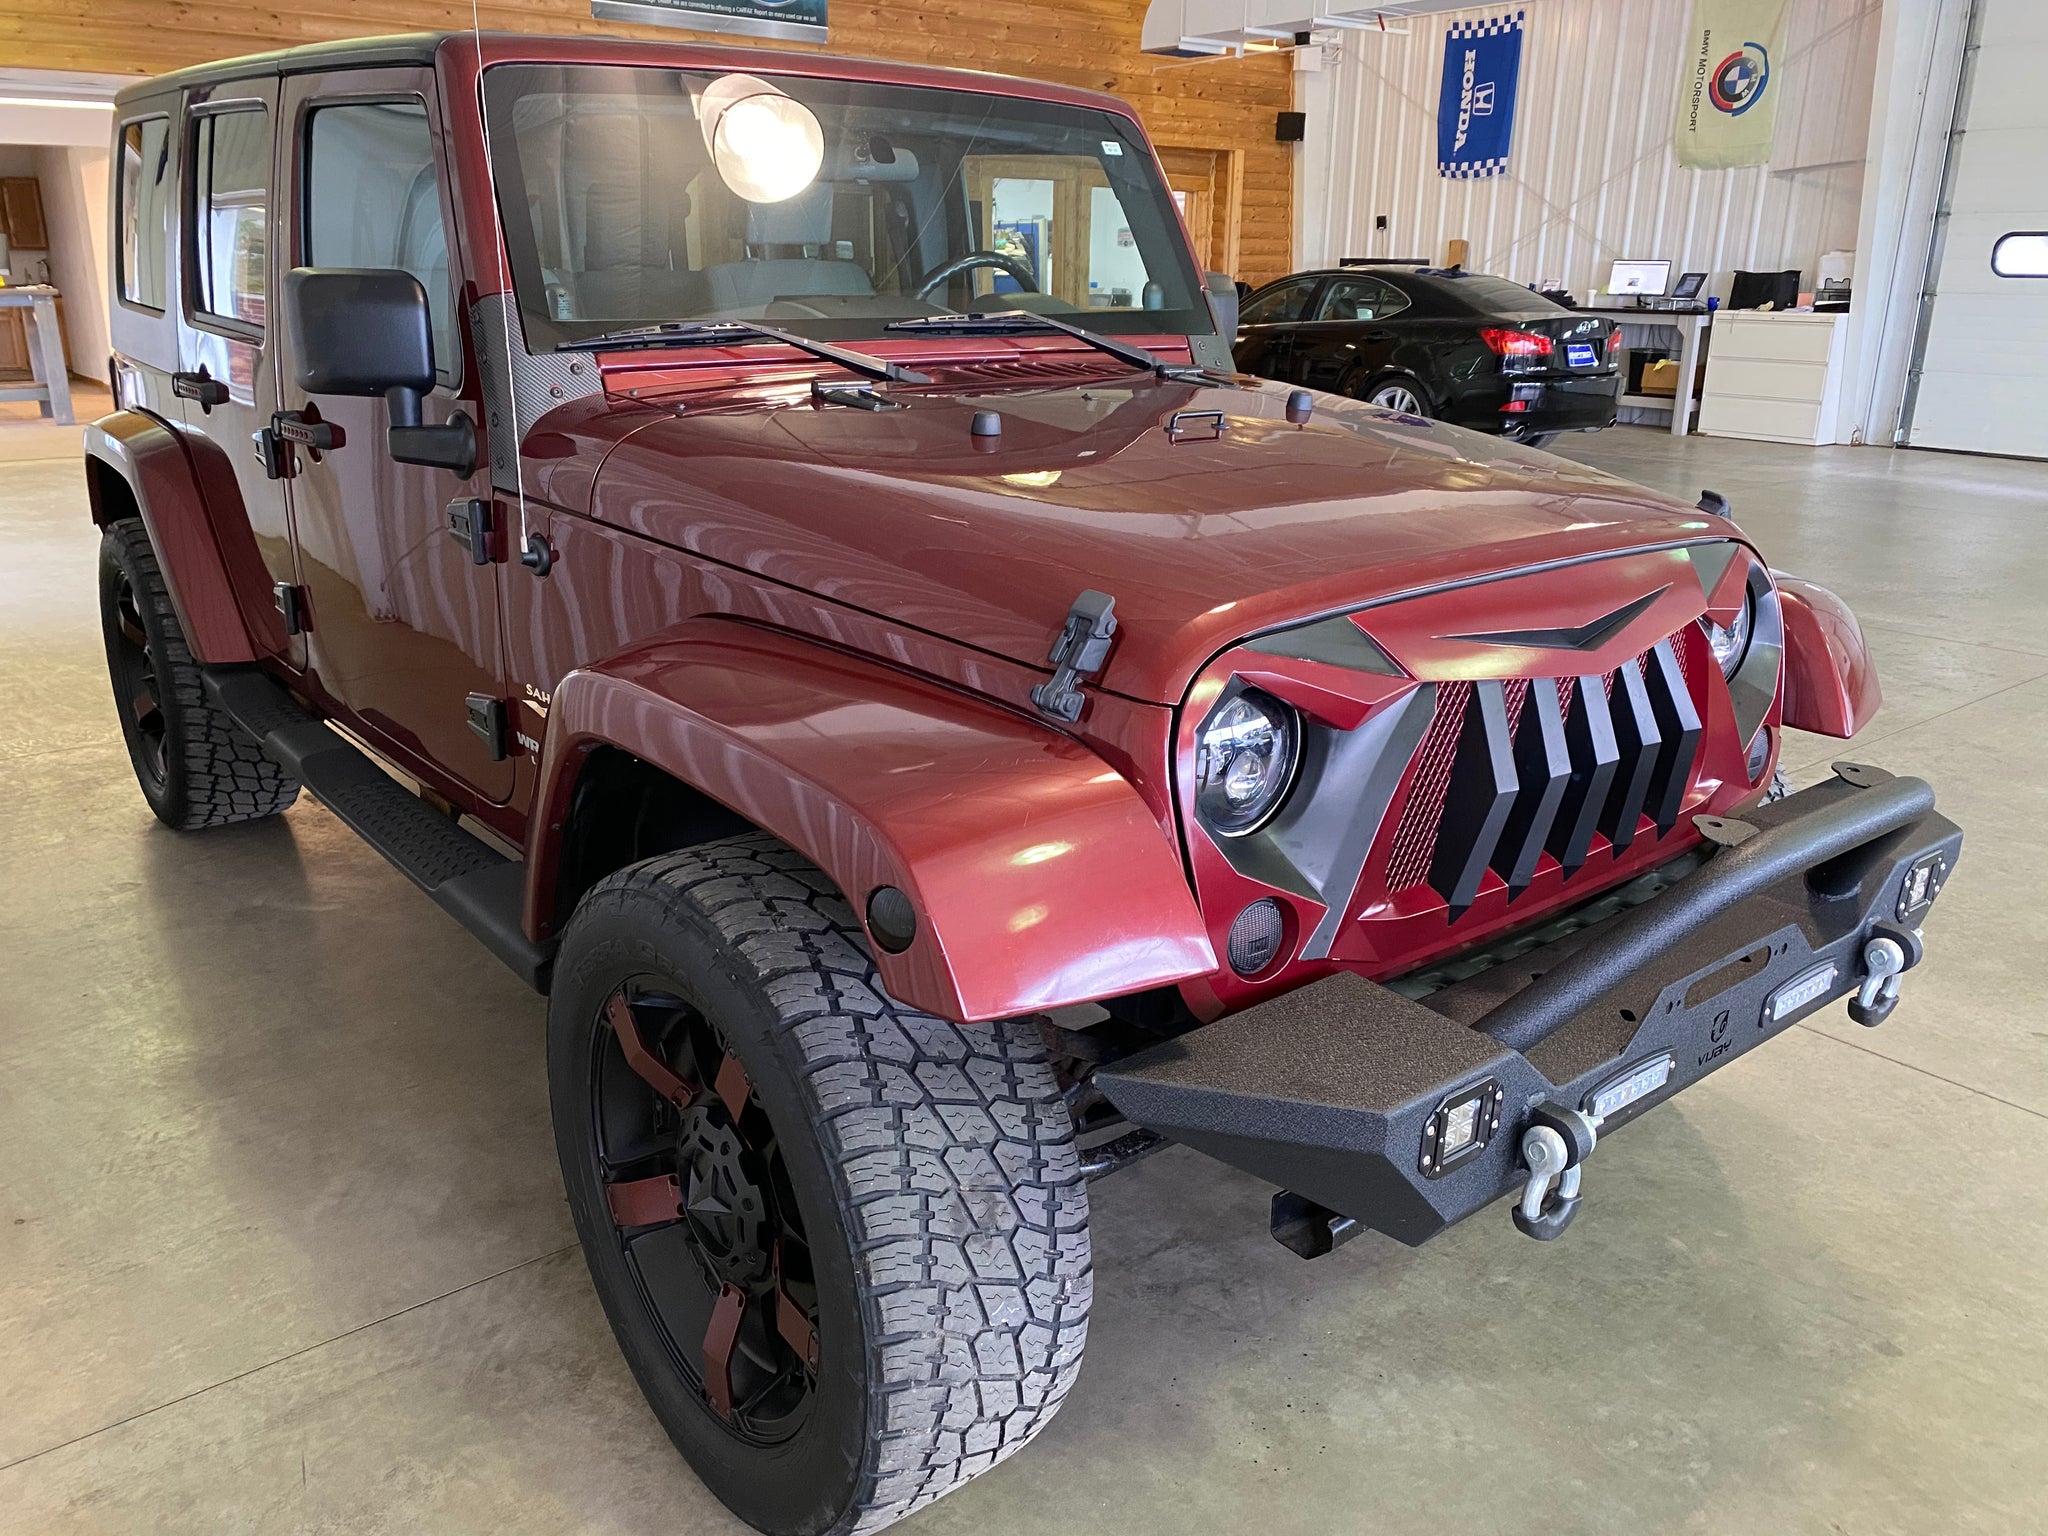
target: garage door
1982 380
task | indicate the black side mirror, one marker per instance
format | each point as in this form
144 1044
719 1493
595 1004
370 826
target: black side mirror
367 331
1222 304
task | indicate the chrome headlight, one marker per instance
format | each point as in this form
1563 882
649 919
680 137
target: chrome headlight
1245 759
1730 645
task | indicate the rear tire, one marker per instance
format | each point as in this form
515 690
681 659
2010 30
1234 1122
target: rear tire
196 767
909 1186
1397 392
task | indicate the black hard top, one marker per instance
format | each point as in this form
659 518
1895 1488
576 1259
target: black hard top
348 53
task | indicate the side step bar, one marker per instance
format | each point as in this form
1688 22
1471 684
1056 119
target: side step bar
467 878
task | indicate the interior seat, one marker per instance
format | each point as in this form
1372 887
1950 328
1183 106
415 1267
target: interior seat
628 211
786 242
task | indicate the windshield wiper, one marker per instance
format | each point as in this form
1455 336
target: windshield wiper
1031 320
711 333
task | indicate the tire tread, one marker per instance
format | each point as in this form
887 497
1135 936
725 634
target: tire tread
226 775
954 1166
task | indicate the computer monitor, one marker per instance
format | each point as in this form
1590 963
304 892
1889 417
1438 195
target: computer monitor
1689 285
1644 279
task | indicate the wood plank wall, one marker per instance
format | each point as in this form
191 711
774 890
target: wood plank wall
1226 106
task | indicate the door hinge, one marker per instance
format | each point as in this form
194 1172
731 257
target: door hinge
1078 652
473 523
274 454
488 718
291 602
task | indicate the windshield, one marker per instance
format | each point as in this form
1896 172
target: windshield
632 196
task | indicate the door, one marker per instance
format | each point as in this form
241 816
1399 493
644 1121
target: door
404 624
1200 180
1265 327
1980 379
226 383
1346 337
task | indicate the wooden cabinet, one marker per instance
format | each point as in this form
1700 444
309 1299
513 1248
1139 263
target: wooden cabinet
21 213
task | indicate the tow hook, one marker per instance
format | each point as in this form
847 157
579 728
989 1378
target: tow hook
1888 954
1555 1146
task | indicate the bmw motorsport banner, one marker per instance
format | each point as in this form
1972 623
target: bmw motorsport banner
1728 94
1475 115
795 20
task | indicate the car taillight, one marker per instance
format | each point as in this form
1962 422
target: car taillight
1516 343
1614 339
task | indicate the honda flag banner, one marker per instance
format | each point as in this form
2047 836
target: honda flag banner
1728 95
1475 119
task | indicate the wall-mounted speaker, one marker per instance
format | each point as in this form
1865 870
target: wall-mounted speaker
1290 127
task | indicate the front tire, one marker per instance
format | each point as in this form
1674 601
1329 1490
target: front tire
870 1280
196 767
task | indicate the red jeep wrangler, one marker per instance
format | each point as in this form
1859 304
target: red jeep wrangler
773 545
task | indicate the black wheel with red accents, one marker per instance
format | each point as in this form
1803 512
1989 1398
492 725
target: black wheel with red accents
703 1210
842 1244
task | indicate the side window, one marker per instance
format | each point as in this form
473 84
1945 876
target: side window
2020 255
145 210
1360 298
1286 302
230 212
373 200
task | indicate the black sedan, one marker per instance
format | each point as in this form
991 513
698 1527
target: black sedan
1477 351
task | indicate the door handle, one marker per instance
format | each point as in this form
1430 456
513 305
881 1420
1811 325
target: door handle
199 386
1378 336
295 428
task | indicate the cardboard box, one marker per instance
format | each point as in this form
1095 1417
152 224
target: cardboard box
1661 377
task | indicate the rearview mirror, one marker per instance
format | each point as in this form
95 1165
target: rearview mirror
1222 303
367 331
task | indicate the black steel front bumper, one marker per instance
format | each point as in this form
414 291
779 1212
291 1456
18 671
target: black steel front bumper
1346 1092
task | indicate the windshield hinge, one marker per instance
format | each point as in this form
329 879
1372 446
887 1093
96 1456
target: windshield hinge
1080 650
862 397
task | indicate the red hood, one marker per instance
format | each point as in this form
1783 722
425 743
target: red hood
1200 538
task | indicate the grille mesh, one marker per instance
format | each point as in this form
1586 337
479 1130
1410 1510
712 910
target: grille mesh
1659 788
1408 863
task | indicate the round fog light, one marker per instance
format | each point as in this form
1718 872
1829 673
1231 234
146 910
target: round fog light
1255 937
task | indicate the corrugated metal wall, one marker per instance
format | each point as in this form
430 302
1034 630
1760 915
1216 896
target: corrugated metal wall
1592 176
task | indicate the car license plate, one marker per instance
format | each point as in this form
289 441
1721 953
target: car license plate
1580 354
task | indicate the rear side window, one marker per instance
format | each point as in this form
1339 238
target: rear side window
373 200
231 213
1286 302
1360 298
145 210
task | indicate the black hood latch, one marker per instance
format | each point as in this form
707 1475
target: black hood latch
1078 652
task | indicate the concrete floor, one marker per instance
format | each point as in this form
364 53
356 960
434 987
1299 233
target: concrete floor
283 1247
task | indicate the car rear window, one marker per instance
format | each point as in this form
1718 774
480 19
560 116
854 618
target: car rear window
231 206
1484 295
145 210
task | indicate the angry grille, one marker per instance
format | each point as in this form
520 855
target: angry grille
1509 771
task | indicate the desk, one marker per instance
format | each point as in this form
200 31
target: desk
1690 331
52 384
